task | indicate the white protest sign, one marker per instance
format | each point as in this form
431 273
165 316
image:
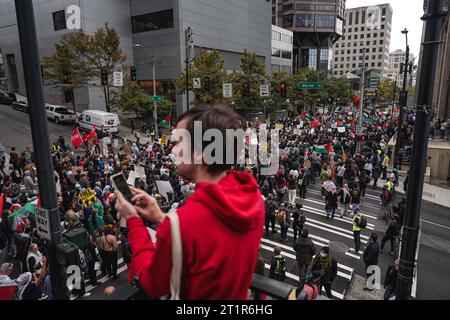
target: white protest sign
131 179
341 129
139 172
164 187
263 127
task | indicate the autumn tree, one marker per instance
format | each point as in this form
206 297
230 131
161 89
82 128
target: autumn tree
64 70
207 64
97 52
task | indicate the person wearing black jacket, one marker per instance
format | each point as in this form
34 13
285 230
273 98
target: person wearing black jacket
304 249
326 264
391 233
371 254
92 256
390 281
271 205
299 220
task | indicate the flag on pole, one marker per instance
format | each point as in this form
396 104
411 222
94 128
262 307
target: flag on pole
165 122
91 135
315 123
77 139
338 123
25 211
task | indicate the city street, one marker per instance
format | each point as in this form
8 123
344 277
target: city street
434 254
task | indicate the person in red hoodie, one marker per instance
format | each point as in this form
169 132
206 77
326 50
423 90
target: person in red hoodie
221 223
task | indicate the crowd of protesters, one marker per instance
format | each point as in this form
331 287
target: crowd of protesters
324 147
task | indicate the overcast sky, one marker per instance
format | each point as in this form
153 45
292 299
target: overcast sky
407 14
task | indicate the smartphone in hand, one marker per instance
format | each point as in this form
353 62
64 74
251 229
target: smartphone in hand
120 183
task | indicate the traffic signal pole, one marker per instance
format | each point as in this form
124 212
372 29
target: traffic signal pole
40 135
433 23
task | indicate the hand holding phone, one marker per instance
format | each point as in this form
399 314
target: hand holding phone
120 183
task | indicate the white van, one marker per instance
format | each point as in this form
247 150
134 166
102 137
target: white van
109 121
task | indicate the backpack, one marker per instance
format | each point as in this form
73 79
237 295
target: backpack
281 216
280 269
362 223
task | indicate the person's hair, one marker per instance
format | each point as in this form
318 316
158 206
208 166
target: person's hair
374 237
6 267
214 117
305 233
277 250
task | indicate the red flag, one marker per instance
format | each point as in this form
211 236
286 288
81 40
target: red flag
315 124
352 123
91 135
303 115
1 205
338 123
76 138
38 205
167 119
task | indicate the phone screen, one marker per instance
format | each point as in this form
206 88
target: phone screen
122 186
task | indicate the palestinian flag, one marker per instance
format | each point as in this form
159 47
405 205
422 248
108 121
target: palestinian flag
165 122
338 123
315 124
25 211
2 200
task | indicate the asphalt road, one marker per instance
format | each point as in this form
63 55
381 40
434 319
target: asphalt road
434 254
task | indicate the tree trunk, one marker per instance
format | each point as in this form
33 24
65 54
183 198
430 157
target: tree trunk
105 92
73 103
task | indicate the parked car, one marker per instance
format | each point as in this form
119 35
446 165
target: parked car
60 114
89 118
21 106
7 98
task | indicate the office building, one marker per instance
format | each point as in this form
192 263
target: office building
316 24
159 25
282 47
366 29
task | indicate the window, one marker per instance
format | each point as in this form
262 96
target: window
366 64
354 51
305 7
349 37
362 36
286 39
363 19
348 51
343 37
367 51
59 20
374 49
348 58
360 58
356 37
380 57
361 50
368 43
336 60
373 64
373 57
347 65
342 58
380 49
288 21
342 66
276 52
381 41
362 29
349 29
374 42
383 12
276 36
353 65
379 64
349 44
326 8
350 18
356 29
382 27
325 21
368 35
335 73
305 20
381 34
152 21
336 52
355 44
375 35
342 51
286 54
361 43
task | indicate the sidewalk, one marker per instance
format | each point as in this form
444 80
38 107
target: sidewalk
432 194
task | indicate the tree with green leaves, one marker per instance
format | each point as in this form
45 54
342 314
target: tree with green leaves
386 91
64 70
253 72
207 64
97 52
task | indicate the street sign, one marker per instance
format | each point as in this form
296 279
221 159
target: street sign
156 98
197 83
43 223
310 85
118 79
227 90
264 90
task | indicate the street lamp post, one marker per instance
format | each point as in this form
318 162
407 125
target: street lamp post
155 111
395 92
403 103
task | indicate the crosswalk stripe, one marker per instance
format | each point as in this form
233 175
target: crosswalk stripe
333 231
294 277
336 217
368 196
325 242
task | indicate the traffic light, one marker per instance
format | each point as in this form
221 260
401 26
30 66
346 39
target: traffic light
207 84
104 77
246 89
133 73
282 87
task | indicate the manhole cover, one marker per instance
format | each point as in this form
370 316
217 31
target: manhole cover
336 246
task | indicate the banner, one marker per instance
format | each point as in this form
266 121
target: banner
164 187
87 197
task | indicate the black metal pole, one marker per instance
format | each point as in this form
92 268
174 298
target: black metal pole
403 103
433 23
187 82
39 130
395 93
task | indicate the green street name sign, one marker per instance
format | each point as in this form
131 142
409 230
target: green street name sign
310 85
156 98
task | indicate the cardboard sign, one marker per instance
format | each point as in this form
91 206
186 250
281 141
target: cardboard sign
164 187
43 223
341 129
139 172
307 164
87 197
132 179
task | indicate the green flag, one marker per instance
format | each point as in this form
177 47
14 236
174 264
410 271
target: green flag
25 211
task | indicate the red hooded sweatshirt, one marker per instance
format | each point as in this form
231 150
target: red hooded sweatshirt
221 228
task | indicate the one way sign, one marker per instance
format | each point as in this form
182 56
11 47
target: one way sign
43 223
